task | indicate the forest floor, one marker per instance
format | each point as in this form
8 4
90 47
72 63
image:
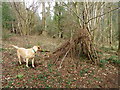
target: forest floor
73 74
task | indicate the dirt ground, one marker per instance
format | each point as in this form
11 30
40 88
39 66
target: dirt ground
73 74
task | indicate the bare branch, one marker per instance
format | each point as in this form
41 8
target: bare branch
102 15
74 12
18 10
63 58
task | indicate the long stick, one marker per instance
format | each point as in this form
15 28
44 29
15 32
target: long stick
63 59
102 14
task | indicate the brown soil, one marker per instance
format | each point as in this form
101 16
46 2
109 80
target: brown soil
73 74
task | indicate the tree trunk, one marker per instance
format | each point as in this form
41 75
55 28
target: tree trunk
110 19
119 26
59 21
43 17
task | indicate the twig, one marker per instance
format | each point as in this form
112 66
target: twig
93 17
18 11
74 12
102 14
63 59
55 61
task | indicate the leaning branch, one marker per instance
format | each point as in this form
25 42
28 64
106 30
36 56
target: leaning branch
18 11
101 15
63 58
74 12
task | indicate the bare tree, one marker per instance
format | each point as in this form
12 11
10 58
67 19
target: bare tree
119 27
25 17
44 32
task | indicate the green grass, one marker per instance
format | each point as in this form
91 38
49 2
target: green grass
100 53
60 80
50 67
33 77
18 83
83 71
67 86
10 84
97 86
106 49
47 86
91 74
90 81
50 70
68 82
38 43
57 74
42 77
7 86
2 49
97 79
19 76
28 46
1 61
6 36
102 63
114 59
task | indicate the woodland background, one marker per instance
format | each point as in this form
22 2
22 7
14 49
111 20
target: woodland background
83 39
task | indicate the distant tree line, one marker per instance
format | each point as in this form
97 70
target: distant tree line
99 18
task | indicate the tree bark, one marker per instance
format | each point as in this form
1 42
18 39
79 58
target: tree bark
111 28
119 26
43 19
